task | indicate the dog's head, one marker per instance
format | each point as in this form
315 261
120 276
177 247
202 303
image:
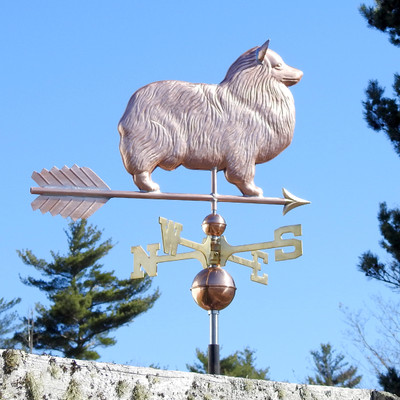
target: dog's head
282 72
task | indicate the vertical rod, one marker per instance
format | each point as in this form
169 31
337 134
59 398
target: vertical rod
214 189
213 347
213 326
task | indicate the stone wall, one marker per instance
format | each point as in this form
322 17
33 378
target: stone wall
31 377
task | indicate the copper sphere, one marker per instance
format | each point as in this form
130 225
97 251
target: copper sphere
213 289
213 225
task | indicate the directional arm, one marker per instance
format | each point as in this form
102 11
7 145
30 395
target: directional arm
227 250
203 252
143 262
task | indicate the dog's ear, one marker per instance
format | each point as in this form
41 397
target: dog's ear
261 51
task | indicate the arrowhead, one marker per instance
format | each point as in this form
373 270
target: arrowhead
293 201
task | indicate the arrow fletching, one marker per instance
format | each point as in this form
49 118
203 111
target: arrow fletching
69 179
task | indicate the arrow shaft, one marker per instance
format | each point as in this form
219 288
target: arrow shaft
108 194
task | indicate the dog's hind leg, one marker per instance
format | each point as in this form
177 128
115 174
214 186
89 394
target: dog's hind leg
144 182
243 178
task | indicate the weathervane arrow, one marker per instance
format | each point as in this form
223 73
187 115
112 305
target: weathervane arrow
77 192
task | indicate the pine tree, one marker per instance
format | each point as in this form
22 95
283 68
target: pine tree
389 273
239 364
332 370
86 303
385 16
383 113
7 322
390 381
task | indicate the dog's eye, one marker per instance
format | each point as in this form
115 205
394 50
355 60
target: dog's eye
278 66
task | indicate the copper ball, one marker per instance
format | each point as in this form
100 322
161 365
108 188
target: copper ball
213 225
213 288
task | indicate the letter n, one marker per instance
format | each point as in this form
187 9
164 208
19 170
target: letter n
147 262
170 232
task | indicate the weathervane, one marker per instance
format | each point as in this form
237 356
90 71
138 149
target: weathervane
214 250
245 120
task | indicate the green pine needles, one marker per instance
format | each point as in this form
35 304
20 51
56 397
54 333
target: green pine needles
332 370
86 303
383 113
7 322
385 16
239 364
389 272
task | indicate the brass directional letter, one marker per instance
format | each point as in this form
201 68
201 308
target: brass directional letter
147 262
280 242
257 267
170 232
204 252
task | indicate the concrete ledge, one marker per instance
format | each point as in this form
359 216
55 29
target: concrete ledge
31 377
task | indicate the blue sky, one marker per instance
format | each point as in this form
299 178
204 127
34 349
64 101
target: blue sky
67 72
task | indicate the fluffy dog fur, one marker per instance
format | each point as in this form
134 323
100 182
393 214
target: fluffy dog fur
246 119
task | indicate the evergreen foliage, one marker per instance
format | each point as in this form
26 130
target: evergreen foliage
331 370
383 113
239 364
390 381
389 273
86 304
385 16
7 322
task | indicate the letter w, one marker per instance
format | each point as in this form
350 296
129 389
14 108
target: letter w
170 232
